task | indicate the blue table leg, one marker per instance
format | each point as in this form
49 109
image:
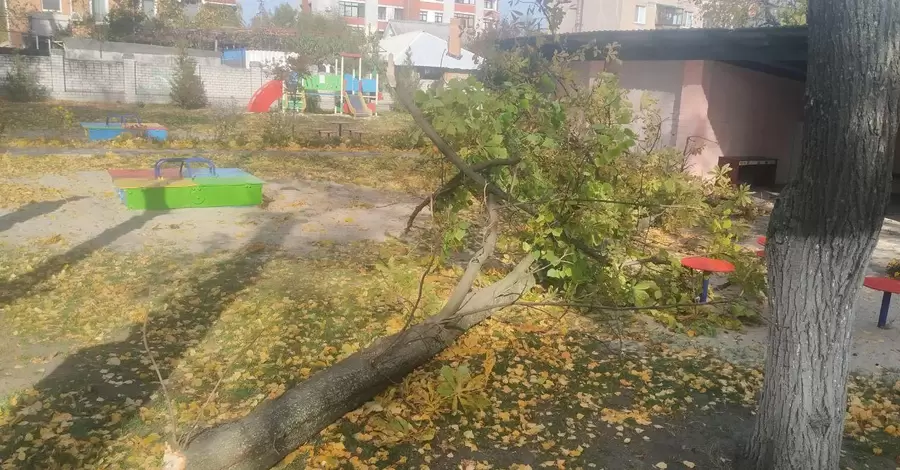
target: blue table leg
705 293
885 306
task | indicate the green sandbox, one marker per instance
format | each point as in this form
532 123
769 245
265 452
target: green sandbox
168 189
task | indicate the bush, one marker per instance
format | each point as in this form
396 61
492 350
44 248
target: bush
22 84
278 130
893 268
187 88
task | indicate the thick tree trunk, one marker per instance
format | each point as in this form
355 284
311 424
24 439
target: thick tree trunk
278 427
824 229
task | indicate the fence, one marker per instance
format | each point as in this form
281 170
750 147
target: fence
130 81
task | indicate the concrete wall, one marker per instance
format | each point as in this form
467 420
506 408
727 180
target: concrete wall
659 80
130 81
737 112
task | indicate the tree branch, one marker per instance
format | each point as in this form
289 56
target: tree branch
465 283
451 185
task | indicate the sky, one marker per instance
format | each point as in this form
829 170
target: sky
250 7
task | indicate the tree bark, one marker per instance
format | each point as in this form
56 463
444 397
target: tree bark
278 427
824 229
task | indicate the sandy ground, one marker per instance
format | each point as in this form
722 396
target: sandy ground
309 211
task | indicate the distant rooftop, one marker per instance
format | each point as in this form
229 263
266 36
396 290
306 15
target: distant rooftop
425 50
398 27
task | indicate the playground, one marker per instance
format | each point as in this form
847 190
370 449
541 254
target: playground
60 125
257 298
245 270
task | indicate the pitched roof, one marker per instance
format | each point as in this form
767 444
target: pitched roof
425 50
398 27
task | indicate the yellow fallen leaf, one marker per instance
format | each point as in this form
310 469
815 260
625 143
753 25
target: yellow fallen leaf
877 450
688 463
661 466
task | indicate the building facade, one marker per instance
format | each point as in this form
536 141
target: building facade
597 15
373 15
34 20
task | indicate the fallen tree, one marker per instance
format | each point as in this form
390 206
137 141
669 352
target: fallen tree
277 427
520 154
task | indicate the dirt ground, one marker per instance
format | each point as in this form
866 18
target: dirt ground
310 211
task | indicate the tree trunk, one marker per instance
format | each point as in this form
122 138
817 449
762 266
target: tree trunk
824 229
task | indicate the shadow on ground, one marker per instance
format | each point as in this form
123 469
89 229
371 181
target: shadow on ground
65 419
32 210
35 280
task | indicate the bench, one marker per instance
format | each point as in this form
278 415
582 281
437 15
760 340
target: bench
323 132
358 133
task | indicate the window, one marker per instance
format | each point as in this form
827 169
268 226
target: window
640 14
423 16
438 17
98 9
688 19
398 13
50 5
352 9
382 13
669 16
490 4
465 21
466 2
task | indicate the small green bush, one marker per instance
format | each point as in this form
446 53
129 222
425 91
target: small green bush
187 88
21 84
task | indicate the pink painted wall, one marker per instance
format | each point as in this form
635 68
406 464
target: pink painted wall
660 80
737 112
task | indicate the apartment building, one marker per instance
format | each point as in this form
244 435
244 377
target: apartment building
21 19
597 15
373 15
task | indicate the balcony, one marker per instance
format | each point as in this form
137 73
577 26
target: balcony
669 17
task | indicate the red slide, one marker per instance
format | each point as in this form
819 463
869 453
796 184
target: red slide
267 94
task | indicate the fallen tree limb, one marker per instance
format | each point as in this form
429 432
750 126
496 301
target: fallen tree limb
451 185
278 427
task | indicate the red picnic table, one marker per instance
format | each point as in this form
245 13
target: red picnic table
888 286
762 242
707 266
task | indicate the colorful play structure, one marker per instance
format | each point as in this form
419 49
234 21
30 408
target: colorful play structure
352 94
118 124
170 187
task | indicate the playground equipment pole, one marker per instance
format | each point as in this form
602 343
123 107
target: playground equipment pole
375 113
341 92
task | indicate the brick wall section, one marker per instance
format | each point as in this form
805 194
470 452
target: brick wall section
94 76
130 81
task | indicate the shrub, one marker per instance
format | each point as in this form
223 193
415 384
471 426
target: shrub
227 124
22 84
893 268
278 130
187 88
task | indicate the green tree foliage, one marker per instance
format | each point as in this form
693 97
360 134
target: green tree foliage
584 179
284 16
212 16
187 88
320 39
124 23
21 83
744 13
